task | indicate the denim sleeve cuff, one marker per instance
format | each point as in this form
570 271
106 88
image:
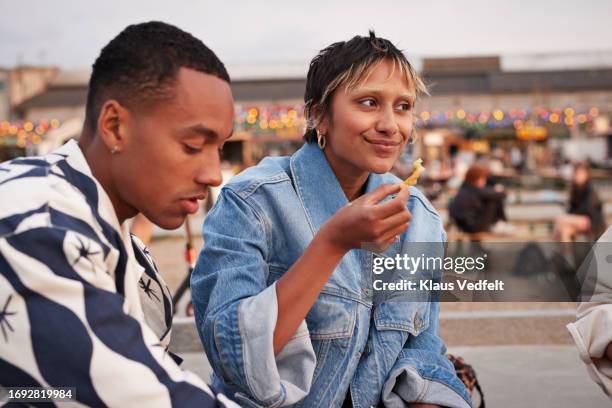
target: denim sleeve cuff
272 380
406 385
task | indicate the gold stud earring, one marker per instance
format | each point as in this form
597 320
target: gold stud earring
321 141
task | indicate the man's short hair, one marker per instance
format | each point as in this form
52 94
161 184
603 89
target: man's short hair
141 64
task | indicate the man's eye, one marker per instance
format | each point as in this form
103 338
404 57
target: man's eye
368 102
191 149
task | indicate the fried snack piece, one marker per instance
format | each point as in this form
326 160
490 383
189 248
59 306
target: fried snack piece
418 169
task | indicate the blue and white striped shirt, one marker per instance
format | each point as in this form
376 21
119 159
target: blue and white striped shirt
81 304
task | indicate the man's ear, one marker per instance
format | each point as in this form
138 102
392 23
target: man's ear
111 125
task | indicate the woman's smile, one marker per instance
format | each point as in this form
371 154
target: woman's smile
383 147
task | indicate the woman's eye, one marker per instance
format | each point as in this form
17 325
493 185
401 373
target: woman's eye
368 102
405 106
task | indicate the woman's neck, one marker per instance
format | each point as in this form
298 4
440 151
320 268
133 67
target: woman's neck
351 179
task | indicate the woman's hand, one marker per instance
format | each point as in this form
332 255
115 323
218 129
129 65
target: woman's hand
363 220
366 220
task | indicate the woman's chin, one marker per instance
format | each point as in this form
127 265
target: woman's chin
380 167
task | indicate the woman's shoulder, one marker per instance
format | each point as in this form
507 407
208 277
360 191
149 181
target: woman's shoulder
269 170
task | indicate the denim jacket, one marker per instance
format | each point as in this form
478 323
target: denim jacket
387 353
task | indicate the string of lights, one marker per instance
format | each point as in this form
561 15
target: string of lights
286 120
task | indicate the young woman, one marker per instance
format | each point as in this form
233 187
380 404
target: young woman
282 291
476 207
585 210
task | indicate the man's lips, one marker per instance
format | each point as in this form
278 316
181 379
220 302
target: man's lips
197 197
190 204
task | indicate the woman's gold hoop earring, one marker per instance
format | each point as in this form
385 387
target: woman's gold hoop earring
413 136
321 141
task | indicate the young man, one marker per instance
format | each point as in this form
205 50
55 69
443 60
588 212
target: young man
81 305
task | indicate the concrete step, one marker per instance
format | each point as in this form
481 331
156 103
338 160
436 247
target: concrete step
506 327
480 327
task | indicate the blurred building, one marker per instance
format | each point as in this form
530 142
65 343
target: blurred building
5 106
62 99
17 85
21 83
567 110
475 105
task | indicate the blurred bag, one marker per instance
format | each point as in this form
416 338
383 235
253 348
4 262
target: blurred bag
530 261
467 375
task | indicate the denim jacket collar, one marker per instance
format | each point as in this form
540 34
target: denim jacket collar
317 185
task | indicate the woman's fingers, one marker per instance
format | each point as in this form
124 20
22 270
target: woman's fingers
372 221
379 194
393 233
404 193
392 207
396 220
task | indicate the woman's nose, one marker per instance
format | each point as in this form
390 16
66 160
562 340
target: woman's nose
387 123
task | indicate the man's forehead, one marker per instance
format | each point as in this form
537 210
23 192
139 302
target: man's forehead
202 101
191 77
201 130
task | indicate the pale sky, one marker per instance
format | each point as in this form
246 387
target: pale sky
70 33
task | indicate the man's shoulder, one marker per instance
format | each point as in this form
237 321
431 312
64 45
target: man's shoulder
32 188
20 169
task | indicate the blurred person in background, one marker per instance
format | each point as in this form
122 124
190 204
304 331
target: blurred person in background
585 209
477 208
516 158
566 170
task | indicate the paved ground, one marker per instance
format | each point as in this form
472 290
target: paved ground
533 376
512 376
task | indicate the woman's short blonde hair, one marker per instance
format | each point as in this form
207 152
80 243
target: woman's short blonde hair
348 63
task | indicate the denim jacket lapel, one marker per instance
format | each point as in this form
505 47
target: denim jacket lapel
317 185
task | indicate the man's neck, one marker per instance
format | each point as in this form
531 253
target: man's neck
98 158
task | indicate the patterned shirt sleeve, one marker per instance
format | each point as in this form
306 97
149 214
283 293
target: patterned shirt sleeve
63 324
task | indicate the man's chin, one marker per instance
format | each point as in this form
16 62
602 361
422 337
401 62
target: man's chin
169 223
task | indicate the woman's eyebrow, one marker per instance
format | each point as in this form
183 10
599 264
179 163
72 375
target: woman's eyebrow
365 89
377 91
